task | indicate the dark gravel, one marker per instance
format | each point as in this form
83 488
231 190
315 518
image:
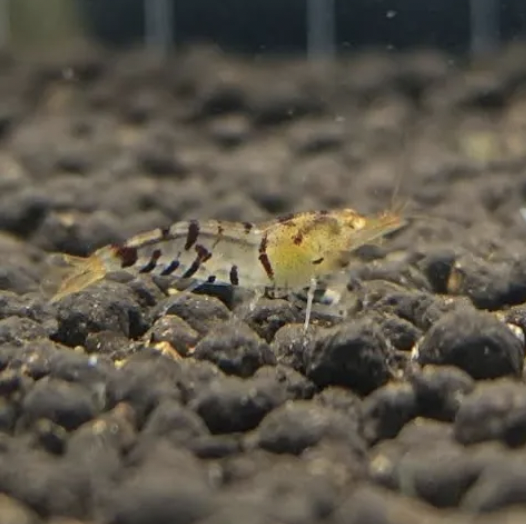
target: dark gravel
126 403
352 355
235 349
231 405
476 342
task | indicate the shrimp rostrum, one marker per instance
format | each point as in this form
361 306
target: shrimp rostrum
290 253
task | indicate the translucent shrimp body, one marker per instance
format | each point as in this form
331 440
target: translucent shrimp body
288 253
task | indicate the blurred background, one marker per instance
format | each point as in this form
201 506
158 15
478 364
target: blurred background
265 26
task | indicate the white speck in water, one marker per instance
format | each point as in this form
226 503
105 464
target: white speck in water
391 13
93 360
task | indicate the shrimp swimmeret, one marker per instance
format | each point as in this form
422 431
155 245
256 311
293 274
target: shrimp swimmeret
288 253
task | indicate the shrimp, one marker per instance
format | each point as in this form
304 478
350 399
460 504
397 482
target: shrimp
288 253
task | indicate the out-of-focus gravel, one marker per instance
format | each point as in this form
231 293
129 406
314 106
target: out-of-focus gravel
411 410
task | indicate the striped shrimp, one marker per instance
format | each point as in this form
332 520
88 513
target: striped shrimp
289 253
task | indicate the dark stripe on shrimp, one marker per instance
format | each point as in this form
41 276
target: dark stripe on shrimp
263 258
234 276
192 234
267 266
192 270
202 256
127 255
152 264
202 253
263 244
170 268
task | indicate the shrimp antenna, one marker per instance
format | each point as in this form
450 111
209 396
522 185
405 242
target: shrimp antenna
398 207
402 168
